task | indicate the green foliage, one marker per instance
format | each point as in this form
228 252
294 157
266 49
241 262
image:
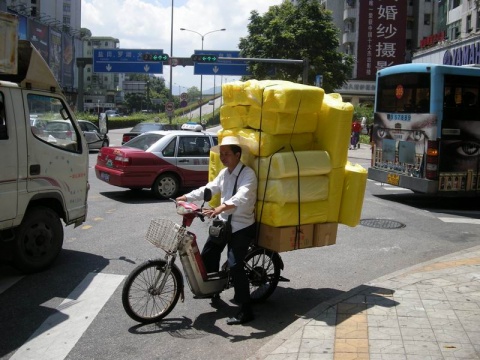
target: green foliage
155 90
363 110
302 31
193 93
180 116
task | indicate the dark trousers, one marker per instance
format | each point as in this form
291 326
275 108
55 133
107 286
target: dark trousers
237 250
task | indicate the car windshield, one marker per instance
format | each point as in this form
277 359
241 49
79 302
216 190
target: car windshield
144 141
144 127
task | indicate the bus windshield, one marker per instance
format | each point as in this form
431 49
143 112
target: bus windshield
408 92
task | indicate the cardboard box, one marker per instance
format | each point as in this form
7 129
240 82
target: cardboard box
281 239
324 234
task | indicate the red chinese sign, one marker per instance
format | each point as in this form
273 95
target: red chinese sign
383 27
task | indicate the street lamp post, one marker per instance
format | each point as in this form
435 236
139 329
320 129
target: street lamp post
171 55
201 76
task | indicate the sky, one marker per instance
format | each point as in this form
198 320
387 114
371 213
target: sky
146 24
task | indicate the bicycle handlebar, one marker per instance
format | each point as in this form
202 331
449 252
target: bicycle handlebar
190 209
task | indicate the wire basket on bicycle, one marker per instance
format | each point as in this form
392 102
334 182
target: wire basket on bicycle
165 234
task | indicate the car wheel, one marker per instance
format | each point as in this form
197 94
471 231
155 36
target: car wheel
166 186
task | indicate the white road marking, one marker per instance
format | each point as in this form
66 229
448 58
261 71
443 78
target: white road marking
56 337
460 220
390 187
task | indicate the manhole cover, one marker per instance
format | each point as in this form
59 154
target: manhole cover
382 223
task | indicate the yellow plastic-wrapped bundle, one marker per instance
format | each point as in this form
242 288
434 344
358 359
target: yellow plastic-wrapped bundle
263 144
334 129
289 164
353 194
278 215
336 178
281 191
273 122
233 93
234 116
284 96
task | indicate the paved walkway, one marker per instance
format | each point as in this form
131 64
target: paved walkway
426 312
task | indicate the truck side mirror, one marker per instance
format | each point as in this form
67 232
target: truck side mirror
103 123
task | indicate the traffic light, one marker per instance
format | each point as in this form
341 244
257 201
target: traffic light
155 57
204 58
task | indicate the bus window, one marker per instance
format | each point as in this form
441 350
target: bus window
409 93
460 99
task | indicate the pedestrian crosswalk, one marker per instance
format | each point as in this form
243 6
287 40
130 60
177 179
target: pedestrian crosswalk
59 333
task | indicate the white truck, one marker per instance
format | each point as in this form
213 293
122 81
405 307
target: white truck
43 157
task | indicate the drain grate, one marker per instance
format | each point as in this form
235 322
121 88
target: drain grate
382 223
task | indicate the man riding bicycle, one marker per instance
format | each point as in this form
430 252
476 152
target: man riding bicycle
237 184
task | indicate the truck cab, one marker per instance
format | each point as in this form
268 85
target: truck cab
44 173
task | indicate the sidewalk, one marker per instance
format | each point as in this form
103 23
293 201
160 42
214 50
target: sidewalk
364 152
426 312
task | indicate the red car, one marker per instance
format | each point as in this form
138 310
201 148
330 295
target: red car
164 161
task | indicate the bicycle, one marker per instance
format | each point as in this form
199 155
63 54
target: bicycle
152 289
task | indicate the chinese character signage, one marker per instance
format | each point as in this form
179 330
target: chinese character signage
383 27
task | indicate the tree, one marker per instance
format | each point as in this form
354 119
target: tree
155 89
193 93
300 31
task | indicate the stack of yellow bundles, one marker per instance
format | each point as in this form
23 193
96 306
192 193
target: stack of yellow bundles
299 138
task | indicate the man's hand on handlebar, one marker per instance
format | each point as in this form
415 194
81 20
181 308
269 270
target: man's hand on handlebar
217 210
181 198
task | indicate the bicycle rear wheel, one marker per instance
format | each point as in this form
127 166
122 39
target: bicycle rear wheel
263 272
143 300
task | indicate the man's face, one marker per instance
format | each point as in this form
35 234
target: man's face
228 158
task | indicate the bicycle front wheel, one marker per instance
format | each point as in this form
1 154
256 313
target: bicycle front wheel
143 299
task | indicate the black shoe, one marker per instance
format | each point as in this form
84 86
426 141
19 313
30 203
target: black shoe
241 318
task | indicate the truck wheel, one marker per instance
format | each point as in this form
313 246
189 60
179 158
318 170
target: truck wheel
38 240
166 186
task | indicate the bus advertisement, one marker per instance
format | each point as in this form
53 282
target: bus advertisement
426 131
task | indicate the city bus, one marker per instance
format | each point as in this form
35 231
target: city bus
426 130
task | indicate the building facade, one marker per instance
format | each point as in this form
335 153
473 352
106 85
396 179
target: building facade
456 39
53 27
100 89
379 33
